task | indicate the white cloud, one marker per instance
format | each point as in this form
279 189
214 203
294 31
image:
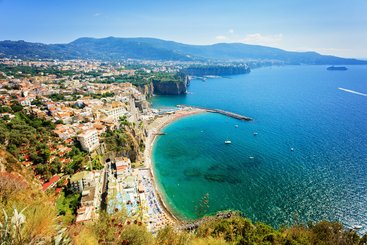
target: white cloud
221 37
231 31
97 14
260 39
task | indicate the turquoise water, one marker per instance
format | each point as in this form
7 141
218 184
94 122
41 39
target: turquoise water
299 107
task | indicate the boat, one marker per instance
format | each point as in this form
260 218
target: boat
292 149
251 157
160 133
227 142
236 126
357 227
255 133
336 68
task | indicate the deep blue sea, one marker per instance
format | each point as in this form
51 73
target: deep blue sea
299 107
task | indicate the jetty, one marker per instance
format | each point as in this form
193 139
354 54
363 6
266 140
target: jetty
230 114
223 112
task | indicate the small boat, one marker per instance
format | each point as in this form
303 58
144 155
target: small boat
227 142
160 133
251 157
255 133
357 227
236 126
292 149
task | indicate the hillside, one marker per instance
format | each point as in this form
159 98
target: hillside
27 216
114 49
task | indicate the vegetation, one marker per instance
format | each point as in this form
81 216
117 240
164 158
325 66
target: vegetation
76 96
123 141
27 215
30 138
141 78
67 204
26 71
168 77
96 162
112 228
61 97
214 230
104 95
5 109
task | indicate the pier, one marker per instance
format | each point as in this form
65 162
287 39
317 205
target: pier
223 112
230 114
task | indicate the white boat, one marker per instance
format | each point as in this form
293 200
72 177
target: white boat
236 126
251 157
255 133
357 227
227 142
292 149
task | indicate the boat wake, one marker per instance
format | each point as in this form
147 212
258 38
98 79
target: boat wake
352 91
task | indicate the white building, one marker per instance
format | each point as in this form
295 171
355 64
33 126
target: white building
123 166
115 112
89 140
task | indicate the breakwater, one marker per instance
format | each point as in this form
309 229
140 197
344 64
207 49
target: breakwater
223 112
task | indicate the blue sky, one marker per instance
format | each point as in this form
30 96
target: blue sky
336 27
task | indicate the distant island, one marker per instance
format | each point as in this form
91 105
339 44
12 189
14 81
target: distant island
117 49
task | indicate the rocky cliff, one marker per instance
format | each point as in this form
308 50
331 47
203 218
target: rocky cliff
147 89
170 87
218 70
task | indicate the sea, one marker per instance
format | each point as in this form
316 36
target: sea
302 159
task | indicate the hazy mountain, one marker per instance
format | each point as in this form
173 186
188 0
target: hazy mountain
112 48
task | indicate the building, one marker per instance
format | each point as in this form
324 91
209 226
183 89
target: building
115 110
84 179
123 166
90 185
53 181
89 140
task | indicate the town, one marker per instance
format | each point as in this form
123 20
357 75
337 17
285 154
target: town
91 134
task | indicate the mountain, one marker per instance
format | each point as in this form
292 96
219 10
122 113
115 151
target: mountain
113 49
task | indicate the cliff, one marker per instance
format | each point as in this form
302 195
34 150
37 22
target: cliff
218 70
172 87
146 89
134 143
169 88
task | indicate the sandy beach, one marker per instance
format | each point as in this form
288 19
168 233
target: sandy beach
153 129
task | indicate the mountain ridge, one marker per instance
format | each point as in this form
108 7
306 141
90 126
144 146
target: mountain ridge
144 48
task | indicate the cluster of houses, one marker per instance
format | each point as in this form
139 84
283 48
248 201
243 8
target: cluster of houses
83 110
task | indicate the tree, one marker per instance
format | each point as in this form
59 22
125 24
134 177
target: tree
17 107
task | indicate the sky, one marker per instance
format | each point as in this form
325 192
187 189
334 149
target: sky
337 27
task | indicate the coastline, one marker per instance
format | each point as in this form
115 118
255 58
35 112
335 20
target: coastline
153 130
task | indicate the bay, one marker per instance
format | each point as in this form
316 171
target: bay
299 107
